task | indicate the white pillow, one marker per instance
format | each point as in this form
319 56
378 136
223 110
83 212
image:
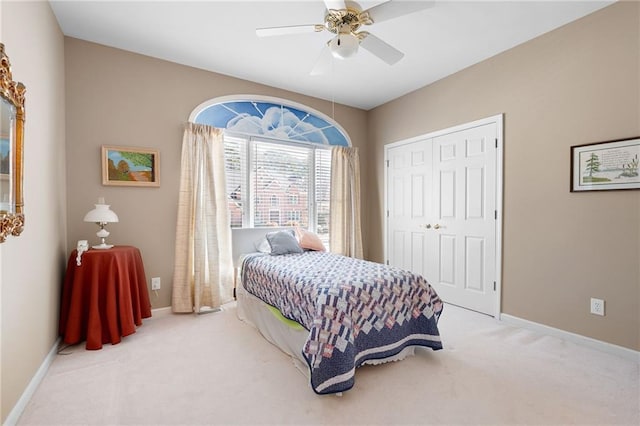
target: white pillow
262 245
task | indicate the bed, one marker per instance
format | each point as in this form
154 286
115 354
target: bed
332 313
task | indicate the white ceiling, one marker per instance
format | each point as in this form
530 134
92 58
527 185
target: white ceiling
220 36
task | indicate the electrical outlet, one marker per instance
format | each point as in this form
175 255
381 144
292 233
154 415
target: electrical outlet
155 283
597 306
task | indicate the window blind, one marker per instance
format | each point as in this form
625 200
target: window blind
274 183
322 193
236 171
280 180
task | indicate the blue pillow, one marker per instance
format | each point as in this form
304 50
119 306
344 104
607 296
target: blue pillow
283 242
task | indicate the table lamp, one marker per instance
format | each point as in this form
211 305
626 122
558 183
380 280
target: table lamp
101 215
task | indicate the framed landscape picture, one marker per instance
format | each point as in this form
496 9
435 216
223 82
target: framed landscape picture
130 166
605 165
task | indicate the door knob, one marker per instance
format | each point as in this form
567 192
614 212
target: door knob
436 226
428 226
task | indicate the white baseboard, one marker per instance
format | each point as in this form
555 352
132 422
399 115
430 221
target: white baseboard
160 311
621 351
18 409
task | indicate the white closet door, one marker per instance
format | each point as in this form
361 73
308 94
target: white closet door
441 199
464 206
409 205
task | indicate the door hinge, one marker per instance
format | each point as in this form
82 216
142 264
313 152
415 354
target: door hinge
494 286
496 142
387 213
495 214
387 163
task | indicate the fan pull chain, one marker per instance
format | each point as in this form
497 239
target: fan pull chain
333 91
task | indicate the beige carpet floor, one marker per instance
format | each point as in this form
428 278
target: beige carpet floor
215 369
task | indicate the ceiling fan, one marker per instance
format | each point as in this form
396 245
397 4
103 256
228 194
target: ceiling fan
344 19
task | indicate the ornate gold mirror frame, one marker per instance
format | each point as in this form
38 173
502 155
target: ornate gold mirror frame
11 204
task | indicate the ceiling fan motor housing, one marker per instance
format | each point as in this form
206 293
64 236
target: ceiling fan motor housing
345 20
344 23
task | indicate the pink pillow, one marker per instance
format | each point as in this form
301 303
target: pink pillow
309 241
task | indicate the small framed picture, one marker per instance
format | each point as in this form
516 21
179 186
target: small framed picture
130 166
604 166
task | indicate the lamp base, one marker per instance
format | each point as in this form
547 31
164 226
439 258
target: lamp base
103 234
102 246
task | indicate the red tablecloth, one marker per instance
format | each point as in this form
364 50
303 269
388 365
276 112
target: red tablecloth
105 297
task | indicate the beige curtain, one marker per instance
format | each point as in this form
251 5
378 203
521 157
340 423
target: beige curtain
345 233
203 271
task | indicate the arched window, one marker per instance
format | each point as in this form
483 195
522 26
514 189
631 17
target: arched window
271 146
271 117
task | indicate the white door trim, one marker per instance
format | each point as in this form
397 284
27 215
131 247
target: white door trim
498 120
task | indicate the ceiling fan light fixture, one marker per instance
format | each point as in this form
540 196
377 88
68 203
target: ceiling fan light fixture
344 45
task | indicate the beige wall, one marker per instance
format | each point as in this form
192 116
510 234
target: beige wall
32 265
576 85
120 98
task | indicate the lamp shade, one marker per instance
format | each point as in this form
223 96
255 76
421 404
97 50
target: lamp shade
101 214
344 45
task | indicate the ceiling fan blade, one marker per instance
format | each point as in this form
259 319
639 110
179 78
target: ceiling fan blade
293 29
381 49
393 9
335 4
323 63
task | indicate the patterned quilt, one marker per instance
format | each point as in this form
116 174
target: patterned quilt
355 310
